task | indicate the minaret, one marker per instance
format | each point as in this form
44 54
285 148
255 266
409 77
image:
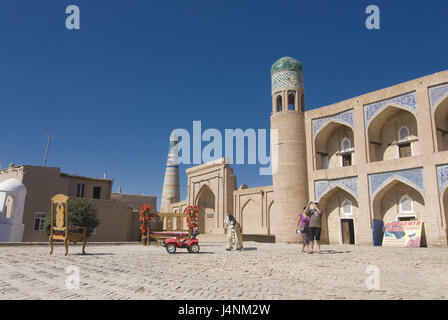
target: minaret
171 192
290 179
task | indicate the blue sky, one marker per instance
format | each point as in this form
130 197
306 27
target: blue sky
112 91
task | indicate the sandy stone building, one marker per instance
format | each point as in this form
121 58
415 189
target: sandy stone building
376 158
117 212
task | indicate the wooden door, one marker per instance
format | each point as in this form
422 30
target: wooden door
348 231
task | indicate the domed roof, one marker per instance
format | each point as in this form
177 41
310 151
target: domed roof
286 64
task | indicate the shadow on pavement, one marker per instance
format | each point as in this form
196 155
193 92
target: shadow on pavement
186 252
93 254
330 252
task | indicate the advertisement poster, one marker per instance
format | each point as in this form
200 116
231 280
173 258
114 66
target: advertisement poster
403 234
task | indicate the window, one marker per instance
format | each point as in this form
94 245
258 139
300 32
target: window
346 145
291 101
39 218
9 204
347 160
80 190
302 103
346 207
403 134
346 152
404 144
96 192
279 103
325 161
406 205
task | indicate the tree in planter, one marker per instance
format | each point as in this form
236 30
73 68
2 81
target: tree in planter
81 213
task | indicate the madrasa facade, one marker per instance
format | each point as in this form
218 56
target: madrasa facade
369 160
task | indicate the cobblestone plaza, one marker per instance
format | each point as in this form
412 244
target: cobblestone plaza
262 271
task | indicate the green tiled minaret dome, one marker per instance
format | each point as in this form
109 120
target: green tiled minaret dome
286 64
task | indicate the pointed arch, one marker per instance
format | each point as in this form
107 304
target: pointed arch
202 189
334 189
327 144
440 115
331 123
206 202
393 180
246 203
383 134
390 105
389 190
331 205
251 218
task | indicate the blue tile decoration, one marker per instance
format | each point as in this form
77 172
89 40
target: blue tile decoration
346 117
286 72
287 79
350 185
413 177
436 94
442 178
407 101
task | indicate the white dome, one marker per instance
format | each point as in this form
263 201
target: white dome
12 185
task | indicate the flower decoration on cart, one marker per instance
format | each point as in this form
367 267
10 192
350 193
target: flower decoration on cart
192 218
144 219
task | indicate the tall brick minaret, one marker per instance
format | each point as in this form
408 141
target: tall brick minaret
290 179
171 189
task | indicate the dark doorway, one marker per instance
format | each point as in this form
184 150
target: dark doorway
96 192
347 160
405 150
348 231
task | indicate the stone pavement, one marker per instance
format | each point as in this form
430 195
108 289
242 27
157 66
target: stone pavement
262 271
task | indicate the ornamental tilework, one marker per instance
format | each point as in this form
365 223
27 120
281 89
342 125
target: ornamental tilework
350 185
436 94
414 177
346 117
442 178
287 79
407 101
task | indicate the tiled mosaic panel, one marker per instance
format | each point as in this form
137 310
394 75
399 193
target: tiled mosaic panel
442 178
414 177
407 101
287 79
436 94
346 117
350 185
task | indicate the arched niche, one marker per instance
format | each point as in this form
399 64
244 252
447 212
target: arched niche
328 145
384 134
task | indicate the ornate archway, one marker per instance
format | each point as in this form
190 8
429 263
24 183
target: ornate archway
385 134
206 205
335 209
331 147
441 124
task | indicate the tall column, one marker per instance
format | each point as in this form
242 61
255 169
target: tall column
290 181
171 186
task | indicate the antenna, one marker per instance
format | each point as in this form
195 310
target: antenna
48 146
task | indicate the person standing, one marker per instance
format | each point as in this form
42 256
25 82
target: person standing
315 225
234 235
303 222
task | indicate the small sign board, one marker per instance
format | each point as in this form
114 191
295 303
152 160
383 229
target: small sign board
403 234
